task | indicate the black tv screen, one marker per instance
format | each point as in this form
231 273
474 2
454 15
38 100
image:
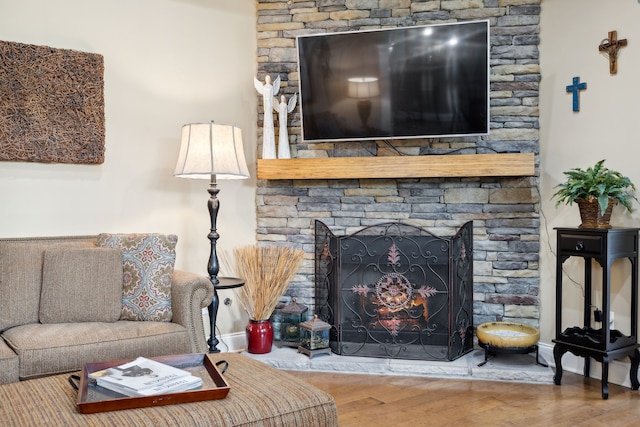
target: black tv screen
410 82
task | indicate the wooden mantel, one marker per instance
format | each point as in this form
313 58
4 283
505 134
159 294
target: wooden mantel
429 166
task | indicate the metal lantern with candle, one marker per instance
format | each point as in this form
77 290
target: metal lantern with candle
314 337
292 314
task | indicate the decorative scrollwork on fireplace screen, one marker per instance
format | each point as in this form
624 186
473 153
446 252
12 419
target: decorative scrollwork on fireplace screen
394 290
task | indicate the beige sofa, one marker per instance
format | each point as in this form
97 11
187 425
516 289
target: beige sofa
59 308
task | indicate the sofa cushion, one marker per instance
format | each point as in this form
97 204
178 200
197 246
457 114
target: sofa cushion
148 261
81 285
63 347
21 275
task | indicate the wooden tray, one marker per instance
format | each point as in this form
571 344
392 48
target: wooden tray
93 398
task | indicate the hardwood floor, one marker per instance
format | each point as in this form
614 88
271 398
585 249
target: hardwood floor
372 400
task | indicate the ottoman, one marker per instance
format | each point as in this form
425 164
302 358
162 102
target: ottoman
259 396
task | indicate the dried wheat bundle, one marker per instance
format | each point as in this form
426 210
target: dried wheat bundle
267 271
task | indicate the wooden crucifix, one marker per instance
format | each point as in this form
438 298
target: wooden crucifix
610 46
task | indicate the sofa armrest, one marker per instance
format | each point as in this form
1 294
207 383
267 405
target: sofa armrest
190 293
9 364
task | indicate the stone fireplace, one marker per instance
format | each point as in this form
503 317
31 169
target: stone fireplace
396 291
504 209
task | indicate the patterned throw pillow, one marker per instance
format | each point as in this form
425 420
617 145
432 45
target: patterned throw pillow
148 261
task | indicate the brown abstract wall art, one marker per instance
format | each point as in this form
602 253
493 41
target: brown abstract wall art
51 105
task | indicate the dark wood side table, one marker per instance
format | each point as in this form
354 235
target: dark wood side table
604 344
224 283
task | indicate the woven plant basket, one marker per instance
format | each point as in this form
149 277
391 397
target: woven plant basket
591 216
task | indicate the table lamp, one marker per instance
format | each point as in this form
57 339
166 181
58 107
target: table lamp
212 151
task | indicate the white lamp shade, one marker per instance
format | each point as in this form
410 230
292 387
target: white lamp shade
363 87
211 149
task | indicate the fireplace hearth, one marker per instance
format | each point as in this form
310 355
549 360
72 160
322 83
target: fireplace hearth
396 291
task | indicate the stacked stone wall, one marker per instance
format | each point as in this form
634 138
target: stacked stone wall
504 210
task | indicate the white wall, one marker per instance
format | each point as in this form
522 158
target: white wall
167 63
605 128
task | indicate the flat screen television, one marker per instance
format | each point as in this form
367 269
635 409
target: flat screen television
409 82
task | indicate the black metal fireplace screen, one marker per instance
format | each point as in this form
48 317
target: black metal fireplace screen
396 291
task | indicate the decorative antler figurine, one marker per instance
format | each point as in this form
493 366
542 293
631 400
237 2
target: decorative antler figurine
284 109
610 46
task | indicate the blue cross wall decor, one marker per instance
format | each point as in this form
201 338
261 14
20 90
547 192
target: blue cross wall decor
575 88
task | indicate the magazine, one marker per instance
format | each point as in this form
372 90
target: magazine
142 377
182 384
173 386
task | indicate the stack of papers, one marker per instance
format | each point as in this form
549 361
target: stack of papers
145 377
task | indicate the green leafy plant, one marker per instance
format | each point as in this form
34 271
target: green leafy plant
596 182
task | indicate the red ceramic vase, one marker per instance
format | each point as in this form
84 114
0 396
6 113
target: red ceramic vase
259 336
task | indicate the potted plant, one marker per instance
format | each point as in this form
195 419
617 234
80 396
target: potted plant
267 272
596 190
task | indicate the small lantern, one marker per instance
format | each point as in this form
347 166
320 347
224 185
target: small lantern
276 318
276 323
292 315
314 337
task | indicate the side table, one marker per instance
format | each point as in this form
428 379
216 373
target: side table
223 283
604 344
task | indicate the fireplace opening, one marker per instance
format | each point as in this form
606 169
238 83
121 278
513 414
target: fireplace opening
394 290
